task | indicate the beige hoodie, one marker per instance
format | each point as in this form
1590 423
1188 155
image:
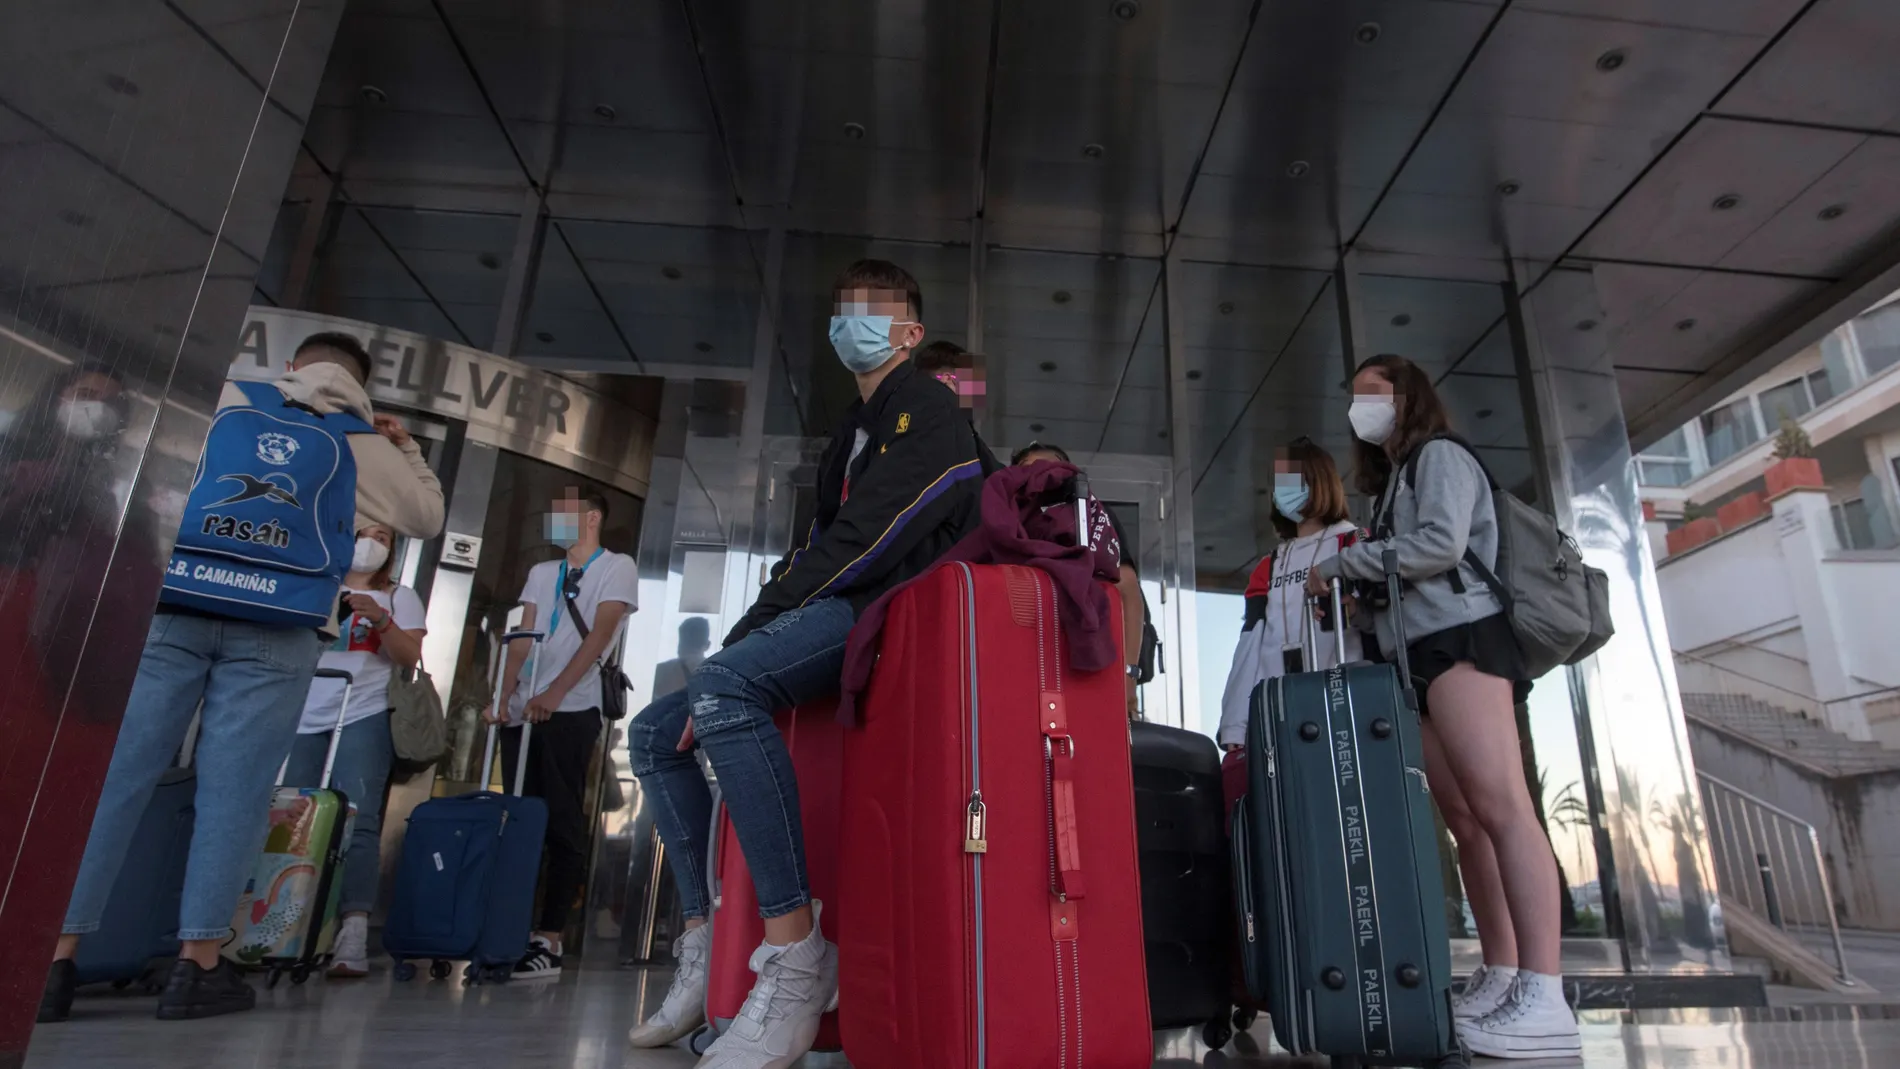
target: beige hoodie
394 486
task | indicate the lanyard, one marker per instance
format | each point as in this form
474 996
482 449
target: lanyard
560 588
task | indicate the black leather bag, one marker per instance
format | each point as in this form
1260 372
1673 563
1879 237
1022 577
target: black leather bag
614 683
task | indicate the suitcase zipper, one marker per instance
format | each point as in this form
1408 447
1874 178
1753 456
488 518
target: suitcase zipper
1297 1038
978 816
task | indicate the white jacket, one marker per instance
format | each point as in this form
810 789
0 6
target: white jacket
1275 620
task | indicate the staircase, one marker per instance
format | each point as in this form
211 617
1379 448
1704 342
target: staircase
1787 731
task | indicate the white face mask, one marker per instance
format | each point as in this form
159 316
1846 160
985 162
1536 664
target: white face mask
1373 418
369 556
87 420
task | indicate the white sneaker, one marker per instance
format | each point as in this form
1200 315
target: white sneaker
1484 992
1534 1021
797 985
350 956
540 962
684 1008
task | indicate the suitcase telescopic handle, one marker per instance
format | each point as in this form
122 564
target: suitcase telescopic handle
1081 509
336 730
1337 591
494 700
1389 561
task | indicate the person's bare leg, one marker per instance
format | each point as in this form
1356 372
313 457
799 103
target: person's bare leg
1477 858
553 940
1477 729
791 928
67 948
694 922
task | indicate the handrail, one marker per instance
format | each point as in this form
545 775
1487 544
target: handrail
1744 675
1771 861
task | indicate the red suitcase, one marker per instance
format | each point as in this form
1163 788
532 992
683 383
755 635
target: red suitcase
816 741
990 874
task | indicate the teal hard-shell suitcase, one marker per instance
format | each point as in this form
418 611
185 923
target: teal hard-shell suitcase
1336 871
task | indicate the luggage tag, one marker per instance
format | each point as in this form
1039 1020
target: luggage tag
1292 660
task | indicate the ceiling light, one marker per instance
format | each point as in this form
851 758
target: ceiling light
1508 188
74 218
1047 365
1061 297
1685 324
374 95
1586 325
488 260
122 85
671 273
854 131
1036 428
1484 413
606 111
1163 434
1092 151
1297 168
1194 375
1402 320
543 337
1612 60
703 346
1727 202
1226 308
1208 548
1125 10
1367 33
1832 212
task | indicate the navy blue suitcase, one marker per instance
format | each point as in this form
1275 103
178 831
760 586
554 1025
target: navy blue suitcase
465 884
141 918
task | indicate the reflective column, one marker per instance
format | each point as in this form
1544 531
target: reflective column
1630 712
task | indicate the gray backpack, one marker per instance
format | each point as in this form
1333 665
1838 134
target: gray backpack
1558 606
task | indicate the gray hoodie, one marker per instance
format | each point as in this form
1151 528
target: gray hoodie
1432 524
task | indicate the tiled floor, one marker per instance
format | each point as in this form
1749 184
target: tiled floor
581 1023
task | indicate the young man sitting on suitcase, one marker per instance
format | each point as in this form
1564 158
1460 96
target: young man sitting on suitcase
242 635
897 487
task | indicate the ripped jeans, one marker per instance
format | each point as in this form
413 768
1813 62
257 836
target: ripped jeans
730 700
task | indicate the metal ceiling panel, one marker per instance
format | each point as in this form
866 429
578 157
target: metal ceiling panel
1834 223
1715 188
1487 411
646 77
1493 355
1472 230
1834 67
636 175
1429 322
1081 312
1641 391
412 60
1758 18
446 161
1280 221
1551 162
1683 320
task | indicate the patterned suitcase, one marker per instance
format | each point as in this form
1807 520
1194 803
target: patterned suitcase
1336 868
286 918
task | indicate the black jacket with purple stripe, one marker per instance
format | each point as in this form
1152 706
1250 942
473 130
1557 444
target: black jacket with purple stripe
913 493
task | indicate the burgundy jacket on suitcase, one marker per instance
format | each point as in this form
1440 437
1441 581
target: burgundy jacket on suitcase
990 885
816 741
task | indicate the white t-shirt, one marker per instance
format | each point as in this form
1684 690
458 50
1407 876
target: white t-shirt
1261 652
610 577
359 651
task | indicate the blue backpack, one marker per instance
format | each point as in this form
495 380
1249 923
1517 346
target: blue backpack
270 526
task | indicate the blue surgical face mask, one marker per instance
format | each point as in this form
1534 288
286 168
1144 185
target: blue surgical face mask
863 342
1290 497
562 528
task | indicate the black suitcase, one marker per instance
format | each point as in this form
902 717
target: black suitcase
1186 880
1337 871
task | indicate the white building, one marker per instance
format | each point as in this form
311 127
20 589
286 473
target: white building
1781 580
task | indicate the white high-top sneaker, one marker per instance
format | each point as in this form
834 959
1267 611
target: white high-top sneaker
350 956
684 1009
797 985
1534 1021
1483 993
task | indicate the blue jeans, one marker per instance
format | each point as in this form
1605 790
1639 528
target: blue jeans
252 679
730 700
363 757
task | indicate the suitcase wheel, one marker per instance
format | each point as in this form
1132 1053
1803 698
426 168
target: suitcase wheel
438 970
299 974
1244 1017
1217 1033
701 1041
271 978
406 970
